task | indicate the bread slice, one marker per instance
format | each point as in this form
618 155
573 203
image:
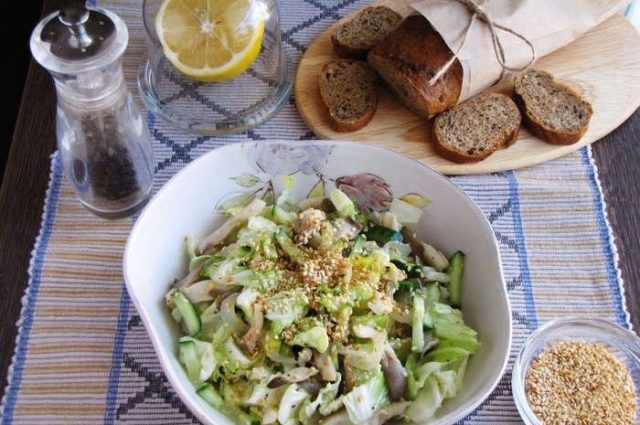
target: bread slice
477 127
356 37
408 58
551 110
349 90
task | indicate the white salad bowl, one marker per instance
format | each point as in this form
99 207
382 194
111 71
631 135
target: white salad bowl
156 255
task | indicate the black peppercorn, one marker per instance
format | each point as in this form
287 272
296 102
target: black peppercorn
111 171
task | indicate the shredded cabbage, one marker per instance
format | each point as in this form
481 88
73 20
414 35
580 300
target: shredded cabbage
303 310
363 401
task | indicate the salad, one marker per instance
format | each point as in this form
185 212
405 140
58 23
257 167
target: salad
322 312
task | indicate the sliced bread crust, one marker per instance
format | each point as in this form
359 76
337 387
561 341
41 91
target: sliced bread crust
356 37
408 58
551 110
349 90
475 128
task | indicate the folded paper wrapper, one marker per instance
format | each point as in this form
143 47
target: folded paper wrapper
547 24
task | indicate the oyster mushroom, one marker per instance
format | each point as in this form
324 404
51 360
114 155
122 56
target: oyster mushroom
304 356
298 374
192 277
209 243
326 367
250 339
311 386
349 377
430 255
430 342
394 373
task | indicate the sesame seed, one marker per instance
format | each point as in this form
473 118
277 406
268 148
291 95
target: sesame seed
580 383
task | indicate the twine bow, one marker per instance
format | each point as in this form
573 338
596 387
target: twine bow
478 12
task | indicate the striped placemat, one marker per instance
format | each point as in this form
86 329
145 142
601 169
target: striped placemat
83 357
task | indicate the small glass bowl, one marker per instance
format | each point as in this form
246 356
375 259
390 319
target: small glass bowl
622 342
220 108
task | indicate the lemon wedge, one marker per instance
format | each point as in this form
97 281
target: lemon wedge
211 40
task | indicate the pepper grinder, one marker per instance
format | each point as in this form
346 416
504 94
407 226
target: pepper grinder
102 138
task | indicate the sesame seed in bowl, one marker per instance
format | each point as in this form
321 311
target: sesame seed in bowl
578 371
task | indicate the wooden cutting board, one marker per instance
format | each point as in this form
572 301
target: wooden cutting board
603 65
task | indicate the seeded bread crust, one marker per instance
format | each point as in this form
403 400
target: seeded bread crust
349 90
551 110
476 128
408 58
355 38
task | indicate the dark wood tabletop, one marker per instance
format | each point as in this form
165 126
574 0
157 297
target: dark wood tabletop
27 172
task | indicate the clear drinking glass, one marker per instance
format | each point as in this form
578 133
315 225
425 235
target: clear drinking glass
102 138
217 108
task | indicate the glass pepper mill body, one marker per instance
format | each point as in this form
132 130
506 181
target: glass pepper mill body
102 138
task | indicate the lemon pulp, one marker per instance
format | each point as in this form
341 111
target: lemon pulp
211 40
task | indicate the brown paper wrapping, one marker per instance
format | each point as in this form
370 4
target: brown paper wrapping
547 24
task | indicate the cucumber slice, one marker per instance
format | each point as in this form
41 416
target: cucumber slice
188 312
210 395
412 383
432 296
344 206
433 292
237 416
417 330
455 272
189 358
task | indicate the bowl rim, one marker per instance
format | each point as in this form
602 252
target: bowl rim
593 324
171 374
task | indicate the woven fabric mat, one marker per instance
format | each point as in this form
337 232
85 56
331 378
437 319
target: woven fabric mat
83 356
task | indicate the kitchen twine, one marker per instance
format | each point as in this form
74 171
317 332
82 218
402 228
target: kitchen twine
478 12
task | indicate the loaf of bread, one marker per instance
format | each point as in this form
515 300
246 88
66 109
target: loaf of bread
349 90
551 110
356 37
477 127
408 58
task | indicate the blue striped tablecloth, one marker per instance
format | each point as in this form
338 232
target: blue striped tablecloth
83 356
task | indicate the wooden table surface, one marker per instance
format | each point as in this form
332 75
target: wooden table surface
27 173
